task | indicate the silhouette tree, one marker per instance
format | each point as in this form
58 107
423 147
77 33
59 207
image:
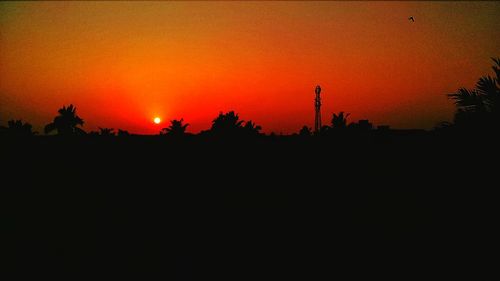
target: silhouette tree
226 124
479 107
305 131
489 88
471 109
66 122
123 133
176 128
18 128
339 121
106 132
229 124
251 128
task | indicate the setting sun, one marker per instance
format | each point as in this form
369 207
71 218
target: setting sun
157 120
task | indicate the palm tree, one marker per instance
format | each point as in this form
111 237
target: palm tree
18 128
225 124
479 106
66 122
489 88
176 128
339 121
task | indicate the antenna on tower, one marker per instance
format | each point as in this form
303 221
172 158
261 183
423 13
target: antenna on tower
317 106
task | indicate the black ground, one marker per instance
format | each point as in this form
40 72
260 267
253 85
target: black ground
273 208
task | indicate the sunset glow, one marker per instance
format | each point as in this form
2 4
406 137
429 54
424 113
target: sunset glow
157 120
121 63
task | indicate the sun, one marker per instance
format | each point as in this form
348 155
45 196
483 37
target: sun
157 120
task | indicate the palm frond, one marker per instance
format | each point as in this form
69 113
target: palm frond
466 99
496 67
487 86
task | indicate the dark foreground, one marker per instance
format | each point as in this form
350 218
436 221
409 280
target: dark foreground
275 209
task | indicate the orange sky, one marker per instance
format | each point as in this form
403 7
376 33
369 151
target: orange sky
123 63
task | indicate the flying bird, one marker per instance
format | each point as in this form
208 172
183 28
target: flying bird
412 19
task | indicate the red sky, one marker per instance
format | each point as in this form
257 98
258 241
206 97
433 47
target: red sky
123 63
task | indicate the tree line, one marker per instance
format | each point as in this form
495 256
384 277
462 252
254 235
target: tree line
476 109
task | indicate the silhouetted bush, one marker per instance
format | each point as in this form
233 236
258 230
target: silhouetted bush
18 128
106 132
123 133
305 132
230 125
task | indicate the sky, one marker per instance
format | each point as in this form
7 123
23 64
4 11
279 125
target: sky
124 63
